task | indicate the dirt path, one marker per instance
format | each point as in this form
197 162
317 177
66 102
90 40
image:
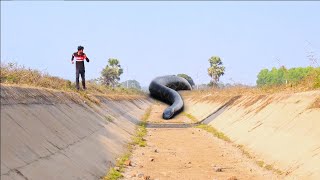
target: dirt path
189 153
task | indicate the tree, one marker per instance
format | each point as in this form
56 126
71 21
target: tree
131 84
216 69
110 75
188 78
284 76
263 77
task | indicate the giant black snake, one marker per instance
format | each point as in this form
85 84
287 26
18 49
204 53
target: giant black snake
165 89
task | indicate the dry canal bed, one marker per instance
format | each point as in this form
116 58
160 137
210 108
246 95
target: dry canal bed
189 153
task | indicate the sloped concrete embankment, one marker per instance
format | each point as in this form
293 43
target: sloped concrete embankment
48 134
283 130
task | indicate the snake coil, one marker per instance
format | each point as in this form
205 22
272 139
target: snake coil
165 89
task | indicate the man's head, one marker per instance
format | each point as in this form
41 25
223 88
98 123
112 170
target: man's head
80 48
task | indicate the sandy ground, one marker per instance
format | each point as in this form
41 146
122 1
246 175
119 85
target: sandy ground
189 153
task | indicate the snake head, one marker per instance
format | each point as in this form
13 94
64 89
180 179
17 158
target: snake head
168 113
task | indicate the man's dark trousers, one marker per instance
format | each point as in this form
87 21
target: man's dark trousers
80 70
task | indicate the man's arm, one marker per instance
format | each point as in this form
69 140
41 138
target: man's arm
87 59
72 57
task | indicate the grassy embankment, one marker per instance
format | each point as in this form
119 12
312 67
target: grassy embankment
13 74
307 81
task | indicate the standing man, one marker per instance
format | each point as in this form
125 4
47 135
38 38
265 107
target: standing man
80 57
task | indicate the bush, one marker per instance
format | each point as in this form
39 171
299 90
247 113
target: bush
317 78
307 76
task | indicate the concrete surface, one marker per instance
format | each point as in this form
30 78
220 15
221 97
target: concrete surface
47 134
280 129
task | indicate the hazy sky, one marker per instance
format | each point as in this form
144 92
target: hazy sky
158 38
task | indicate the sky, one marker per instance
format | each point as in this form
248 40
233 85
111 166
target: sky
155 38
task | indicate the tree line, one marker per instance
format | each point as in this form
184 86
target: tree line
110 75
282 75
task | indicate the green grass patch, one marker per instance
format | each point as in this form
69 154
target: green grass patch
138 138
278 171
146 115
260 163
245 152
222 136
115 173
108 118
214 131
190 116
142 130
269 167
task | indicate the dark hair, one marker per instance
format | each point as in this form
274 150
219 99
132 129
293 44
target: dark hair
80 48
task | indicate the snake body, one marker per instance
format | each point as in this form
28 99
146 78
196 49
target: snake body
165 89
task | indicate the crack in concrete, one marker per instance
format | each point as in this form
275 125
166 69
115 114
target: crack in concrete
19 173
49 155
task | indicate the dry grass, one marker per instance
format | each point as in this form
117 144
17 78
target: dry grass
265 104
315 104
251 95
311 82
253 100
13 74
220 95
